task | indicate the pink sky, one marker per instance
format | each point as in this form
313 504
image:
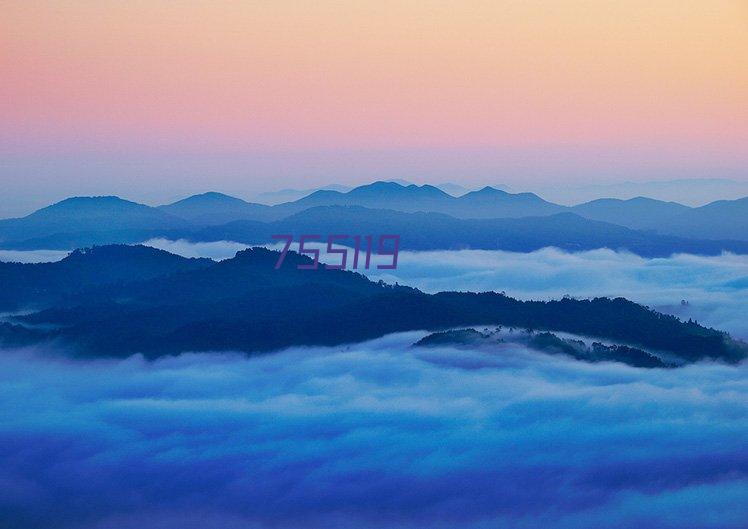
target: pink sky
660 85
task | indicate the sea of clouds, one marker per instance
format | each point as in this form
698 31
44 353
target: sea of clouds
374 435
715 288
382 435
32 256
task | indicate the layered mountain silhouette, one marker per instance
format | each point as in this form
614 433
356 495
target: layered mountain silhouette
45 284
166 305
724 219
637 213
435 231
105 216
273 198
290 195
488 218
684 190
216 208
485 203
457 190
95 220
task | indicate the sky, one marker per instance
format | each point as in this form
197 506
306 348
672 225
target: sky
153 100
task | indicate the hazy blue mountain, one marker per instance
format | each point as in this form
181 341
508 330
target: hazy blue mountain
90 214
399 181
638 213
485 203
245 304
436 231
450 188
457 190
487 218
377 195
721 219
24 285
724 219
106 218
490 202
216 208
290 195
692 192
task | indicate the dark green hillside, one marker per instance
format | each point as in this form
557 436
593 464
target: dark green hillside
125 300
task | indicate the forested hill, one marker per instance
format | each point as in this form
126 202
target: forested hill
246 304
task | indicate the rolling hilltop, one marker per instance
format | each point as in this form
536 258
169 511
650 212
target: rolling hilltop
168 304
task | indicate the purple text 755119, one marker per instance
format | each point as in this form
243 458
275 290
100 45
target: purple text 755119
350 242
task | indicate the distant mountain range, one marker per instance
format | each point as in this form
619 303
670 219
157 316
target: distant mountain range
290 195
688 191
486 218
724 219
95 220
637 213
120 300
436 231
485 203
216 208
76 214
272 198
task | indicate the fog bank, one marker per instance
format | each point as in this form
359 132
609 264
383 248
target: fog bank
375 435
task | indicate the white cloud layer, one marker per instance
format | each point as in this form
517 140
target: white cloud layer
372 436
218 250
32 256
381 435
716 288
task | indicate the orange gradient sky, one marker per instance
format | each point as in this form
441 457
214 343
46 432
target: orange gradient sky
656 80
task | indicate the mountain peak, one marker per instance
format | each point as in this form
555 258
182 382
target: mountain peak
390 188
428 189
213 208
82 201
653 201
490 190
379 185
214 195
96 205
210 197
486 192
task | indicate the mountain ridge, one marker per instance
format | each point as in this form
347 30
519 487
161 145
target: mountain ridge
216 208
83 221
245 304
438 231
